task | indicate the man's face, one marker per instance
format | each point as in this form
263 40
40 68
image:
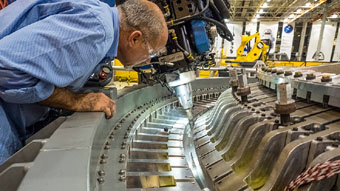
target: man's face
140 50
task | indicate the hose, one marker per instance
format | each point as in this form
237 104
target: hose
227 34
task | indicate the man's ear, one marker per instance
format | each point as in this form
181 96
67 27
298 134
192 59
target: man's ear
135 38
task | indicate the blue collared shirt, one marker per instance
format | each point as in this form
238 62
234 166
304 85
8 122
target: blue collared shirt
48 43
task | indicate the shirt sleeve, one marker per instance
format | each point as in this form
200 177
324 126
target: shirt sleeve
54 51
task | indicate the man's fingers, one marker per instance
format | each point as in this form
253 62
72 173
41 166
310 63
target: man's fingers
113 109
108 113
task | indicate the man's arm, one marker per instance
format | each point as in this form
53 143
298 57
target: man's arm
65 99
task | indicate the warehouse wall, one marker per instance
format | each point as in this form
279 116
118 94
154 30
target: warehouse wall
327 40
286 44
336 56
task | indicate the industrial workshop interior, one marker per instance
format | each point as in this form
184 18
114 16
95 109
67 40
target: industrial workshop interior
244 96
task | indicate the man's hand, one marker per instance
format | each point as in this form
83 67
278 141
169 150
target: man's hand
97 102
65 99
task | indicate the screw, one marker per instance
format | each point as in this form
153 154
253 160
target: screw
122 178
278 72
122 171
288 73
101 173
310 76
107 147
326 78
121 160
297 74
100 180
104 156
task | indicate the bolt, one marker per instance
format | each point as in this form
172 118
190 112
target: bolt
295 129
297 74
166 129
310 76
118 127
107 147
233 74
319 138
126 135
283 93
278 72
121 160
103 161
263 115
122 155
100 180
101 173
104 156
122 171
242 80
111 137
122 178
288 73
326 78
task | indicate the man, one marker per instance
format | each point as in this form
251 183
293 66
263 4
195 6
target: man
49 48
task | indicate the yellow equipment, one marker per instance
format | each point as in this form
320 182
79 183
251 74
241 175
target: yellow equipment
253 55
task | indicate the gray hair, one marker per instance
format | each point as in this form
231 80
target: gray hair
137 15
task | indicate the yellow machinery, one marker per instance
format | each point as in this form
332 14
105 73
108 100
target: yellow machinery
125 76
255 52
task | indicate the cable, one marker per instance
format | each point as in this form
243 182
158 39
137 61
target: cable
228 36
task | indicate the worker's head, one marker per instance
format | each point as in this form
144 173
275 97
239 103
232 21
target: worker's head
143 31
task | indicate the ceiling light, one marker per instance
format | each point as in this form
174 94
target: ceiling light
298 11
308 4
269 1
291 16
254 20
257 15
286 20
265 5
261 11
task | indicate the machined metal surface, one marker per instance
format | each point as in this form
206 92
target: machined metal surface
234 145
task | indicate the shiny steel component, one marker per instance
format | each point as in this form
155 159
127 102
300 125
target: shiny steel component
243 89
183 90
262 144
284 104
